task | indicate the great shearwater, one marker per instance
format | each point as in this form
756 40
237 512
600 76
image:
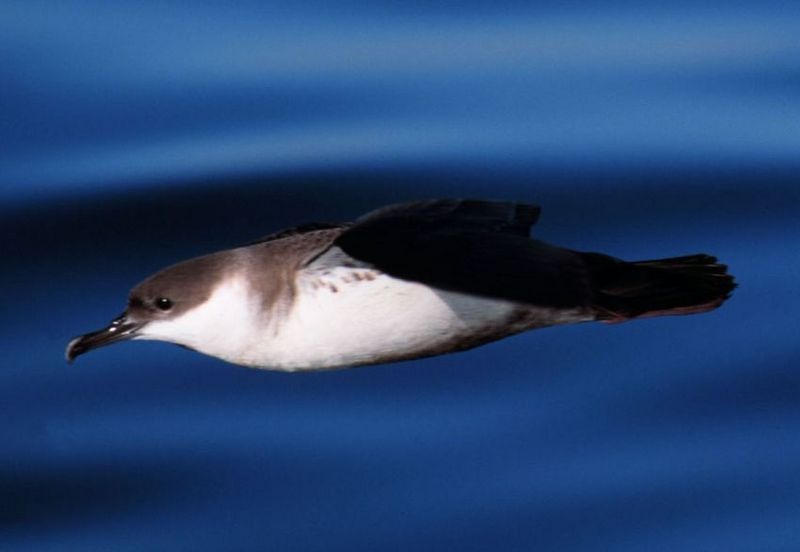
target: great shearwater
402 282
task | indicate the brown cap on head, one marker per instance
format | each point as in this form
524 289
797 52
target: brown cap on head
179 287
166 294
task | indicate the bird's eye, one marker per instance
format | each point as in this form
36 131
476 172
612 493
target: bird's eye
164 304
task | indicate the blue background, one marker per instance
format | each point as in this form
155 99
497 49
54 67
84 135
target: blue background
136 134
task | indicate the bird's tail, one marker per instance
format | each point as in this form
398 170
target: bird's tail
678 285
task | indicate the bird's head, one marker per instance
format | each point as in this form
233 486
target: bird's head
170 305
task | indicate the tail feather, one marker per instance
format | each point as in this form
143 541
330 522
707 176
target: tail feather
678 285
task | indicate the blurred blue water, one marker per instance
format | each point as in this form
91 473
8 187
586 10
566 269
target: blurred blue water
137 134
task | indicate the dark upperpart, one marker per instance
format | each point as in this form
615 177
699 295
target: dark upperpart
678 285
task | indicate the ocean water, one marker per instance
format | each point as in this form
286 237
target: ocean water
137 134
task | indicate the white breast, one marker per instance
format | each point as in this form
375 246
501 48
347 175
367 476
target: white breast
341 316
349 316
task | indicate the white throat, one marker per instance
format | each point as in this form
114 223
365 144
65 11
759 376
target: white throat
340 317
225 325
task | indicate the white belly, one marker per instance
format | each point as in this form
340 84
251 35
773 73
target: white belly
338 320
345 316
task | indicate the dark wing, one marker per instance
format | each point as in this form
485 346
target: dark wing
477 247
296 230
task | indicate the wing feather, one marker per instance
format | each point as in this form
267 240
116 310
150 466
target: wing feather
470 246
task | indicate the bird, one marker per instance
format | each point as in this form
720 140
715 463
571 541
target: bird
402 282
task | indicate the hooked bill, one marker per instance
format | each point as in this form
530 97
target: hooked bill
402 282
